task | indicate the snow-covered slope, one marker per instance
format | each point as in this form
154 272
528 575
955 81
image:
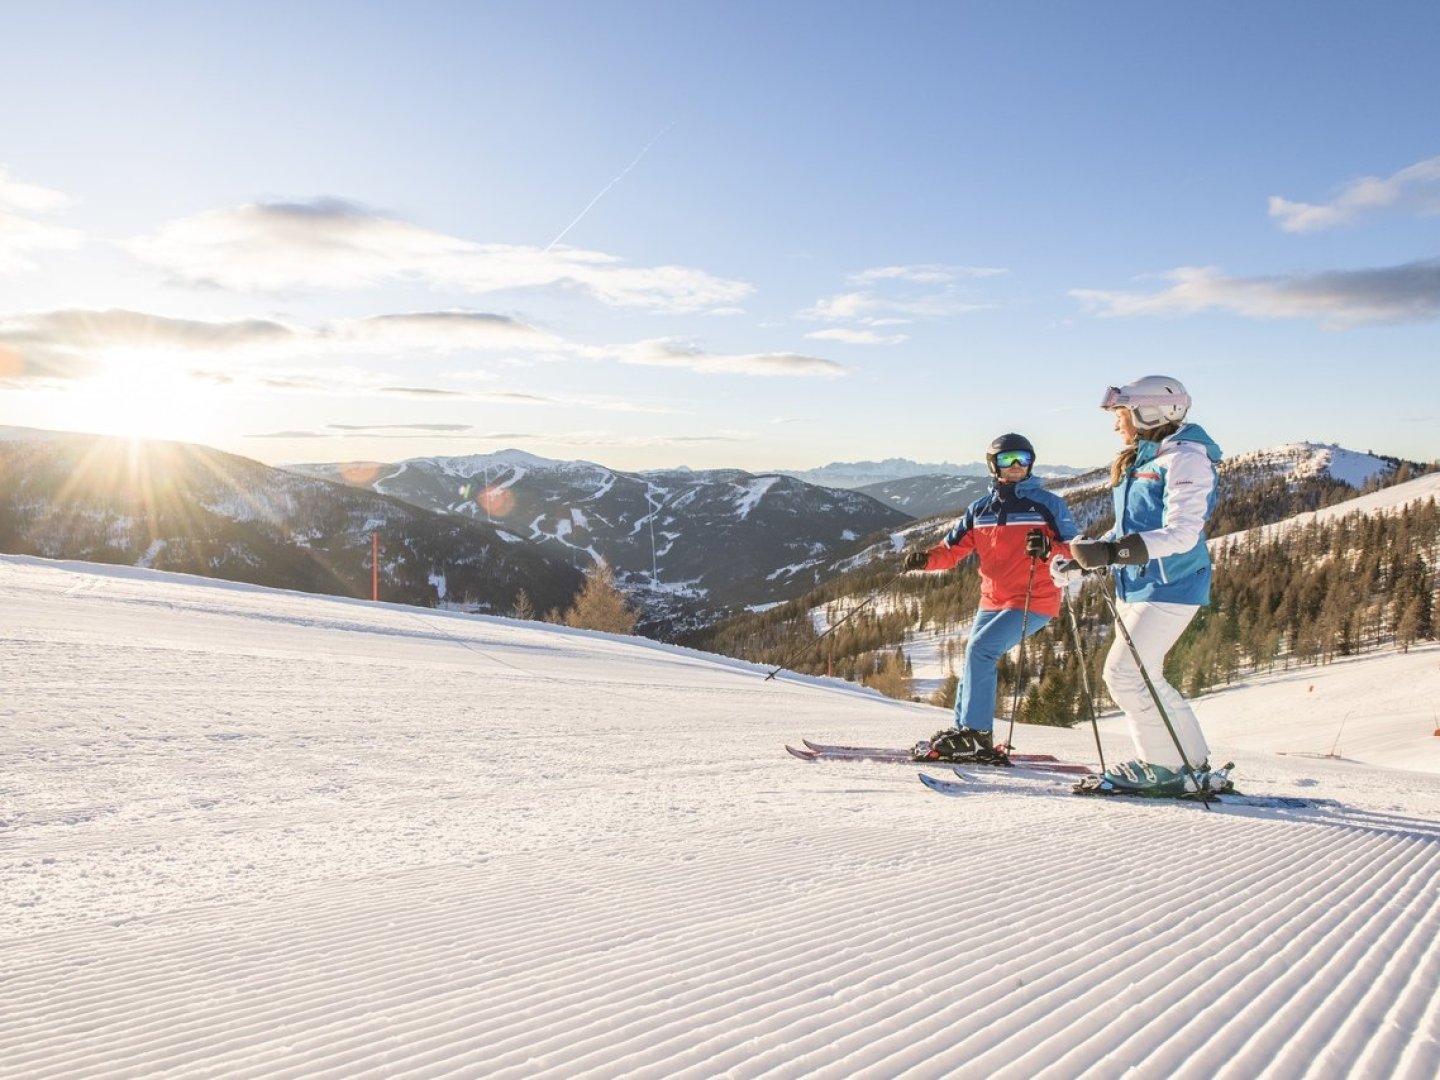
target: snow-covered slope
1385 501
254 833
1305 459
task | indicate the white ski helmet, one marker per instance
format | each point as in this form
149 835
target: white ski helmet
1152 401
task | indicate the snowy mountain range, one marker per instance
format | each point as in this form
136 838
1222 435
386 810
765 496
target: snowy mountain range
868 474
688 545
929 494
187 508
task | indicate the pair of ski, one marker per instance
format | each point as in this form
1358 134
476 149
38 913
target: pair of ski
969 782
815 751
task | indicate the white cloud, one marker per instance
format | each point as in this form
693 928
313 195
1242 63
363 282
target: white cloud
74 344
443 331
469 435
873 307
1415 189
333 244
662 352
20 235
841 306
923 274
68 345
858 337
1337 298
891 294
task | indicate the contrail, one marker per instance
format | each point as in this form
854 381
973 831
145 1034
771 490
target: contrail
603 191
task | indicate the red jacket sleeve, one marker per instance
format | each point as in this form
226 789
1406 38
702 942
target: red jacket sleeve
943 556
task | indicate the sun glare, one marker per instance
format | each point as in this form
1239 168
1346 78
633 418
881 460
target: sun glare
142 401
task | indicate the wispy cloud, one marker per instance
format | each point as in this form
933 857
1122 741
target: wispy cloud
663 352
443 331
857 337
29 198
435 428
74 344
467 434
1337 298
886 294
1415 189
20 234
77 344
351 382
924 274
336 244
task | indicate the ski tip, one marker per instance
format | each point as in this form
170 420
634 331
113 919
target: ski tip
810 744
943 787
803 755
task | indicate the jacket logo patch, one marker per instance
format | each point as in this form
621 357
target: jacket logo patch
1147 476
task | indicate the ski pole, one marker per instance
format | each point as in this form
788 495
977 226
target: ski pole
1020 664
830 630
1084 674
1155 696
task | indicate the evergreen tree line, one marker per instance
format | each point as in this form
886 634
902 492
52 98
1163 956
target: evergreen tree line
862 616
1284 597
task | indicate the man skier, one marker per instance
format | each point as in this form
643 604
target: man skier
1012 528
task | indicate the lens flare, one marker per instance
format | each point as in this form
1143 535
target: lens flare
360 473
494 501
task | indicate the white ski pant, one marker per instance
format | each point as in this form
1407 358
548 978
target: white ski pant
1154 628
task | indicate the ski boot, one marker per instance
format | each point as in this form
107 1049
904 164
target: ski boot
962 745
1158 781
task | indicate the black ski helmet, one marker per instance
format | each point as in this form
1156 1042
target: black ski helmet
1008 442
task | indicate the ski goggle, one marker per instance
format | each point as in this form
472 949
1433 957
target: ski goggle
1118 398
1005 459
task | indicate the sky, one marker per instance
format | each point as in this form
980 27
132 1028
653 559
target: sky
735 234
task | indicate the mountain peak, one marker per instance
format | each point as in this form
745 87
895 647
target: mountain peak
1302 460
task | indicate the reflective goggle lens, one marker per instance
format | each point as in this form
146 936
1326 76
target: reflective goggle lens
1112 398
1006 458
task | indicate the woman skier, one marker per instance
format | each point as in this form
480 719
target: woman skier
1011 529
1164 482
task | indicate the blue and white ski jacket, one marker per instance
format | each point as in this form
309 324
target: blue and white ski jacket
1166 498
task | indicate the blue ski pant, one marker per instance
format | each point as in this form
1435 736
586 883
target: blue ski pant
992 635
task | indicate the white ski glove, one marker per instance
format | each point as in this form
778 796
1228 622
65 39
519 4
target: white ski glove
1067 574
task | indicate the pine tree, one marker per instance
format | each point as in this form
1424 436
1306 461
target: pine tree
945 696
523 608
601 605
892 676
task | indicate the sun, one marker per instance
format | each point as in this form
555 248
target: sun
143 400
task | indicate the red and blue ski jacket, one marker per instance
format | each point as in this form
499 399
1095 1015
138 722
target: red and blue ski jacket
994 527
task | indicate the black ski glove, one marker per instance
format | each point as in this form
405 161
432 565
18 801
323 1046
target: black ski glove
916 560
1127 551
1037 544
